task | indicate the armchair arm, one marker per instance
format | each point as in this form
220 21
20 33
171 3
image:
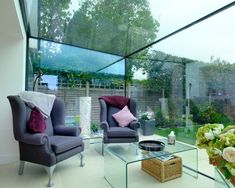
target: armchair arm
67 131
104 125
35 139
134 125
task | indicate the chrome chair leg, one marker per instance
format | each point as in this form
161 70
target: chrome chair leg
21 168
137 148
81 159
102 150
50 171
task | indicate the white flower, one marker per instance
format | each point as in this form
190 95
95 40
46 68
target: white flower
231 131
229 154
232 171
147 115
220 126
216 131
217 151
209 135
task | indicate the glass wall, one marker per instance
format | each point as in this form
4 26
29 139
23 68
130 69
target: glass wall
116 27
158 84
134 48
187 80
70 73
113 26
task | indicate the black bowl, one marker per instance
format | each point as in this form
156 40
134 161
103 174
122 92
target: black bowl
151 145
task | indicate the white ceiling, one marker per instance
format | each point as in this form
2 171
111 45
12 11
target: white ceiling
11 24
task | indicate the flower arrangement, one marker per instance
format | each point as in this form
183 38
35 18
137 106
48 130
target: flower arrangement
219 143
146 116
207 134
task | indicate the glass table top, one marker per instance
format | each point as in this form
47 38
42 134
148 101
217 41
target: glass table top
92 136
220 181
131 153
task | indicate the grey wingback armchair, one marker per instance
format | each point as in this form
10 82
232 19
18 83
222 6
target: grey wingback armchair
55 145
113 133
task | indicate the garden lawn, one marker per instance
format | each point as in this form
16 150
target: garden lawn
183 134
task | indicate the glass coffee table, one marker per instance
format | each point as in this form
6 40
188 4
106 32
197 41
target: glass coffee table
96 139
118 157
221 181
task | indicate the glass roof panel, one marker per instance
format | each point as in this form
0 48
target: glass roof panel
113 26
206 43
60 57
32 16
213 37
172 15
116 68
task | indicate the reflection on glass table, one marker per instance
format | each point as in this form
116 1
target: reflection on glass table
220 181
120 156
96 139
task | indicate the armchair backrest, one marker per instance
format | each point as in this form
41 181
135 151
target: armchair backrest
110 111
58 113
21 114
107 110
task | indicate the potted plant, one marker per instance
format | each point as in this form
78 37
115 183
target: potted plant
147 123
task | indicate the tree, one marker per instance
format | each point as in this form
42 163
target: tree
54 16
117 27
162 70
219 77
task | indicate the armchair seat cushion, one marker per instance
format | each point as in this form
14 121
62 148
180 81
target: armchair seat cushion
121 132
62 144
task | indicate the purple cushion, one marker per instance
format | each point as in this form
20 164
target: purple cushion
36 121
121 132
124 117
62 144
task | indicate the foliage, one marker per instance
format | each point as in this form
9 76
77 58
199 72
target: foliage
218 75
162 121
208 134
53 18
146 116
207 113
183 134
162 70
73 77
179 122
119 27
77 119
94 127
219 142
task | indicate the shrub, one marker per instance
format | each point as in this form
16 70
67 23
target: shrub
209 114
94 127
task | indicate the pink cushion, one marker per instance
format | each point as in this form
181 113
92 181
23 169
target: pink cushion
36 121
124 117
